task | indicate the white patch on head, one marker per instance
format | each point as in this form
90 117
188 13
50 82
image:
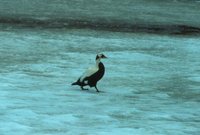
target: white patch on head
100 55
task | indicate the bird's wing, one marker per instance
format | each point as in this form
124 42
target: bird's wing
89 72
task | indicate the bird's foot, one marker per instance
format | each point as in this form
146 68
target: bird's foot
97 89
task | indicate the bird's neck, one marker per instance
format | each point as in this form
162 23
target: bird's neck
97 62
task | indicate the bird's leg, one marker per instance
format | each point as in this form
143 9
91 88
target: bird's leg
96 88
83 88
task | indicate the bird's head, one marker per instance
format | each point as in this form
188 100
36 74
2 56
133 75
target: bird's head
100 56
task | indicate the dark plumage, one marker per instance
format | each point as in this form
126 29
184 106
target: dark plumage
92 75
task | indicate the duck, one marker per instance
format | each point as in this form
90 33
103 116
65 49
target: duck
93 74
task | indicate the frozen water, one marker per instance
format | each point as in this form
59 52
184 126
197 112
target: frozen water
151 85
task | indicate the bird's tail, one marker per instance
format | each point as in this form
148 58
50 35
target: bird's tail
75 83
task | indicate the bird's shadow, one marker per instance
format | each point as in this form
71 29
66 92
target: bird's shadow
92 91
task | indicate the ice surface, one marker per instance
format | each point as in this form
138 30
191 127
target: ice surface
151 85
